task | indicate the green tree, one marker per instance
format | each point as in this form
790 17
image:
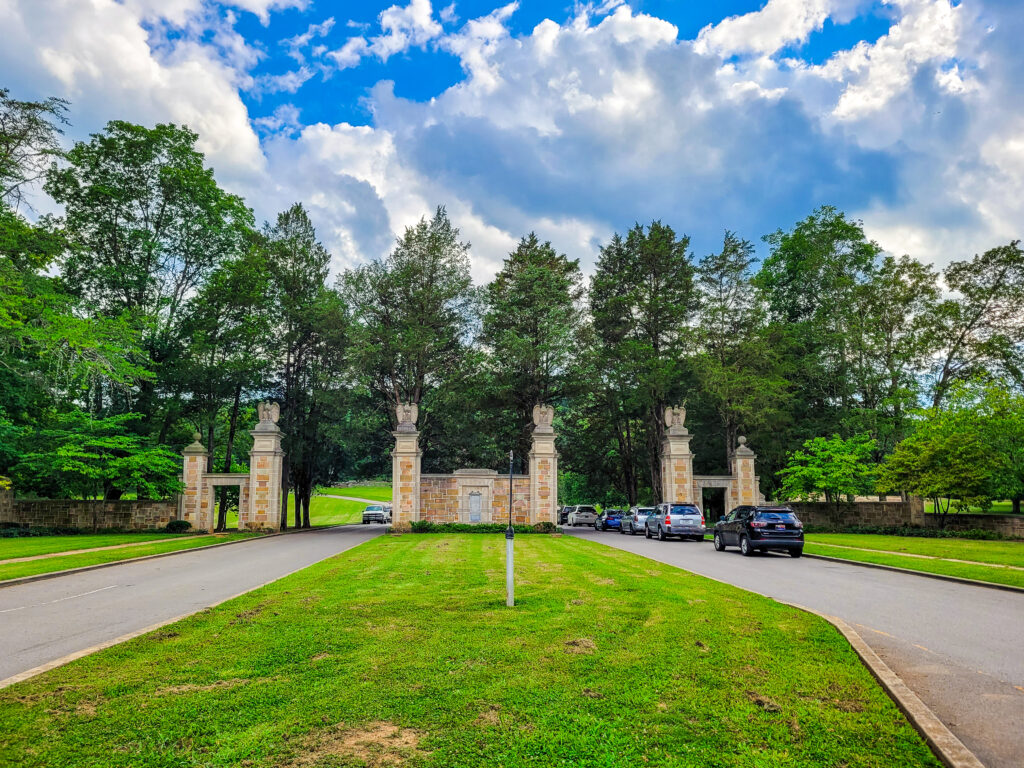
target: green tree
146 224
736 365
29 142
831 467
981 328
532 316
641 297
946 459
73 454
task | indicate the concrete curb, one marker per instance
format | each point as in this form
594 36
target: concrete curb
84 568
946 746
912 572
29 673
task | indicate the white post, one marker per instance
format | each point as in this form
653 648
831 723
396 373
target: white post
510 586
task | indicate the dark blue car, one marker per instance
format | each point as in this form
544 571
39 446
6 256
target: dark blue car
609 520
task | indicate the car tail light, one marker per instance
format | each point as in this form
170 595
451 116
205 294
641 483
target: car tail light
668 519
702 519
798 524
758 524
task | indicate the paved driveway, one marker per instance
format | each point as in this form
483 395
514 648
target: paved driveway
47 620
960 648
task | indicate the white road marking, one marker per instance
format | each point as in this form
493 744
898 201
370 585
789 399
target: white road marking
59 600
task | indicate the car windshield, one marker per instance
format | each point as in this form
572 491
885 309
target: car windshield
645 510
374 508
684 509
583 510
787 517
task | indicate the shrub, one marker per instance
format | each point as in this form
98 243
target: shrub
178 526
425 526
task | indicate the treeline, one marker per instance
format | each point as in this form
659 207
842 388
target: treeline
155 306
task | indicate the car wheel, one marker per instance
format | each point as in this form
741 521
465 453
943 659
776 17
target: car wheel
647 532
661 533
719 544
745 547
796 552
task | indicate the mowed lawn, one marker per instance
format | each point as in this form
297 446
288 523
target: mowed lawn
30 546
995 552
63 562
376 492
401 652
323 510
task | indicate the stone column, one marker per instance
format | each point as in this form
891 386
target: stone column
744 477
405 466
543 468
194 497
676 458
265 463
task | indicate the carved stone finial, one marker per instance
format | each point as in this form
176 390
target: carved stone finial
675 416
268 412
196 437
406 414
543 415
741 440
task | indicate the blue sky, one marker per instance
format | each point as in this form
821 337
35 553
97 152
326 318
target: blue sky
571 120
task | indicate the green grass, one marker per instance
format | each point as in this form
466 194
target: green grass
60 563
401 652
323 510
997 508
990 573
375 492
29 546
996 552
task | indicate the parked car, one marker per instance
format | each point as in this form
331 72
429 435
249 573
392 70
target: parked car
675 519
374 513
387 512
634 520
609 519
563 515
764 528
582 515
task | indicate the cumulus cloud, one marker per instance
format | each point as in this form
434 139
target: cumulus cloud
583 126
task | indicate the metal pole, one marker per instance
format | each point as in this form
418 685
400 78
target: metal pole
510 554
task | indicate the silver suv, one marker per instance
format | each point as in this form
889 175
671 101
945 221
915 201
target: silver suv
680 519
582 515
633 521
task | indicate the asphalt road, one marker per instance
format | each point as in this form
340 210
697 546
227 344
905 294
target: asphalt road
960 648
43 621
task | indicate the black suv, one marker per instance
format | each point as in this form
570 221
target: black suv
768 529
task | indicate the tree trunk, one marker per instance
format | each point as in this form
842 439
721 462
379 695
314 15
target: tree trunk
1016 505
284 493
655 437
305 509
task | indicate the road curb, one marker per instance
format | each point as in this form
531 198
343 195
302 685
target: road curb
97 566
926 574
946 746
30 673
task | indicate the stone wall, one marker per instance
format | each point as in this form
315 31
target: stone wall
895 513
6 503
1005 525
447 498
140 515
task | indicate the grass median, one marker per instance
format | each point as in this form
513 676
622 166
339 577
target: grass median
375 492
63 562
990 573
401 652
993 552
30 546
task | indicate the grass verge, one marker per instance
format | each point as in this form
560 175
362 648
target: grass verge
401 652
990 573
51 564
995 552
376 492
30 546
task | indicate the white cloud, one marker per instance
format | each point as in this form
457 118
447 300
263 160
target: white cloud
777 24
298 43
